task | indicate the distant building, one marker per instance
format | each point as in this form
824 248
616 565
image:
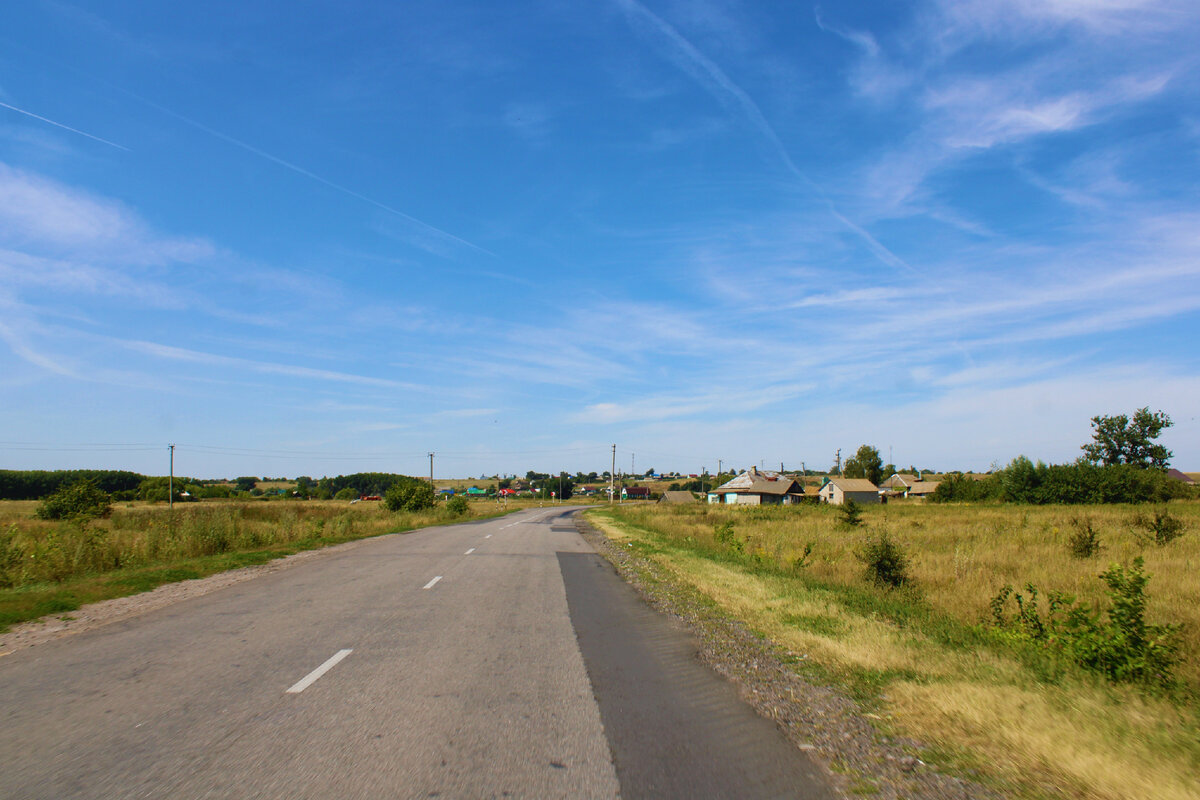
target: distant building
922 489
636 493
1180 476
677 498
900 482
837 490
757 488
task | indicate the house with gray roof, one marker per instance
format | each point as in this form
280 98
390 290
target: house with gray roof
756 487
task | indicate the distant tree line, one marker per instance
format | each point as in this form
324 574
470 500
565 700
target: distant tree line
1024 481
1122 464
36 484
362 483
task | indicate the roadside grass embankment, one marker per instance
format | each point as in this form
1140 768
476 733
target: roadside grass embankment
49 567
923 659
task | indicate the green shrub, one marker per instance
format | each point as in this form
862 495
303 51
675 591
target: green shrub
1162 527
79 500
725 536
347 493
409 495
1084 542
10 557
457 506
851 513
1119 644
801 561
886 563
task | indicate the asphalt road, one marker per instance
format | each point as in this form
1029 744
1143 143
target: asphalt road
489 659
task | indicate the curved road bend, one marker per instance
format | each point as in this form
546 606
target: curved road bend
500 658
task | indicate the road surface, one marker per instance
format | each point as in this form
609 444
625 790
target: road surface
500 658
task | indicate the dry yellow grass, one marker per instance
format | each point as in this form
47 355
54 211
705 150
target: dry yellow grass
1089 739
143 534
961 555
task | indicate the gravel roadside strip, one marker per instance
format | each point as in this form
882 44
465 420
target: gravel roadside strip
815 718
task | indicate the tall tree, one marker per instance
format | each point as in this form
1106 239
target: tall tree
1120 439
866 463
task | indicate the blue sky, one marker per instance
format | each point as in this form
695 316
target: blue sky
326 237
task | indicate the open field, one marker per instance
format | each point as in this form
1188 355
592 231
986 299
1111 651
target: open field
51 567
918 657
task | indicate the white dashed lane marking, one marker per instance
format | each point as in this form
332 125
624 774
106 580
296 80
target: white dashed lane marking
310 678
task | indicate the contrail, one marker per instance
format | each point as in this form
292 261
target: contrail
714 80
425 226
65 127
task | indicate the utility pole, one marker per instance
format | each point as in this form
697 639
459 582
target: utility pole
612 477
431 470
839 461
703 474
720 461
171 480
632 471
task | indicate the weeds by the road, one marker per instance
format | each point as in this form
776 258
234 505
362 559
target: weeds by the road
921 655
52 566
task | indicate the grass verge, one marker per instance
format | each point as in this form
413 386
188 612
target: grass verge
58 567
977 704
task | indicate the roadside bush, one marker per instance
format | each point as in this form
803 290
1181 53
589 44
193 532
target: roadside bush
412 495
725 536
801 561
851 513
457 506
1084 542
79 500
1161 527
10 557
347 493
1120 644
886 563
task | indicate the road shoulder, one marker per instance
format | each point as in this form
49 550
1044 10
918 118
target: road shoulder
815 718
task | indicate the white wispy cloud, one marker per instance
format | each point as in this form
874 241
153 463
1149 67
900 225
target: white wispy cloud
674 406
172 353
38 212
425 235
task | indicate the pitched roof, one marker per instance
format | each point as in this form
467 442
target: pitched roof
755 482
854 484
671 496
1179 476
924 487
899 478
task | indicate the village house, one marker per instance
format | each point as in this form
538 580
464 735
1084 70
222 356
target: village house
903 484
672 497
755 487
837 490
900 482
922 489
